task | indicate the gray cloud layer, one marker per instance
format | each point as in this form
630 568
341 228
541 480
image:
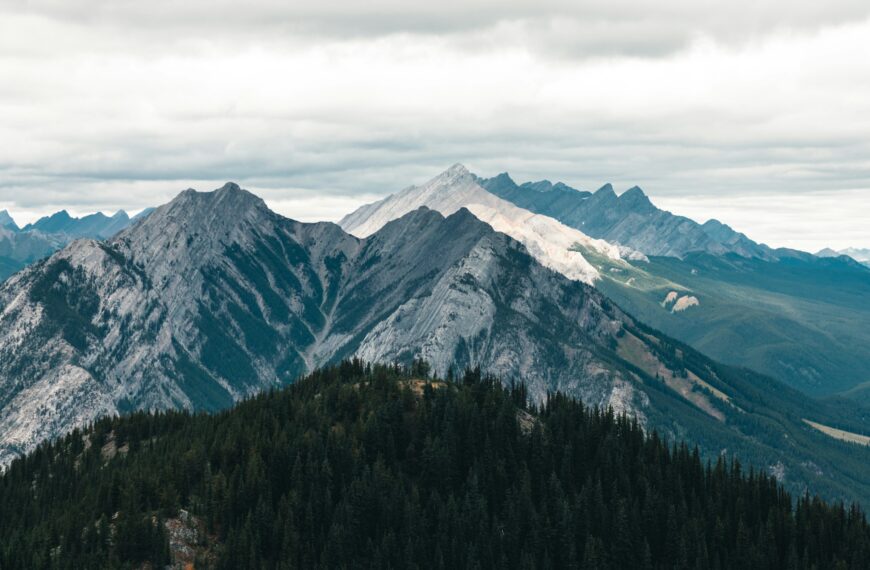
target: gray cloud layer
589 26
321 105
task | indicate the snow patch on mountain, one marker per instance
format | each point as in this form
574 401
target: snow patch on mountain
549 241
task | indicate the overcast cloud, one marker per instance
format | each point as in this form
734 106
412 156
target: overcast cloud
757 113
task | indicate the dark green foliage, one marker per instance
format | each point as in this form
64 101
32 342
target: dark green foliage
361 467
69 301
198 384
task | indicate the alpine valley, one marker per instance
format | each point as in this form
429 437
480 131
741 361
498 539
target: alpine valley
213 298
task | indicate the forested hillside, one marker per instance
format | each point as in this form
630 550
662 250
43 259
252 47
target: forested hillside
375 467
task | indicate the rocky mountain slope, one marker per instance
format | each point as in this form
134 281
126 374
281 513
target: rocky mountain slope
783 313
553 244
214 297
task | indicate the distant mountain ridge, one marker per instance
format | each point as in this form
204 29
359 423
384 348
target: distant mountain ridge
861 255
20 247
98 225
630 219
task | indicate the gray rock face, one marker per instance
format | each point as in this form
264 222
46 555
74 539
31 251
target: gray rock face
482 300
214 297
629 219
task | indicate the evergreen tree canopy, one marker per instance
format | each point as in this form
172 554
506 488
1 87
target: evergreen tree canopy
361 466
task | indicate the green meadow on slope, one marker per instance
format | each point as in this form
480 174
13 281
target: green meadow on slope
801 321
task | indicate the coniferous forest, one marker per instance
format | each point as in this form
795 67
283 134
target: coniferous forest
361 466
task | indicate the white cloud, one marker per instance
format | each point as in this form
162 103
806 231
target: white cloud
316 105
806 222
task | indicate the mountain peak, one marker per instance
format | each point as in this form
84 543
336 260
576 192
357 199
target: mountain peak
451 176
230 194
635 198
457 169
858 254
230 187
6 220
827 252
499 184
52 223
504 178
717 229
215 212
193 228
605 191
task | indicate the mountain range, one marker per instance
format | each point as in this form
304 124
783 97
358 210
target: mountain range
629 219
213 297
19 247
550 242
785 313
858 254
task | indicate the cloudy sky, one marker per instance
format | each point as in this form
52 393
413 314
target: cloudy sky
754 112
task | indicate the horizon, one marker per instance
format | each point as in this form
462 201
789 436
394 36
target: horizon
311 208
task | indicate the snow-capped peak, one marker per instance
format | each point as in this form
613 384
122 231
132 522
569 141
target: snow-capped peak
552 243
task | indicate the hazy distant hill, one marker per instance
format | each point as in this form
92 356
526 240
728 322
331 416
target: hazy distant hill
19 247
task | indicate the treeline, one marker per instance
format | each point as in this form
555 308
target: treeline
368 467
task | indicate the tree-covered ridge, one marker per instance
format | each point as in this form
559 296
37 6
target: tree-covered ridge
372 467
